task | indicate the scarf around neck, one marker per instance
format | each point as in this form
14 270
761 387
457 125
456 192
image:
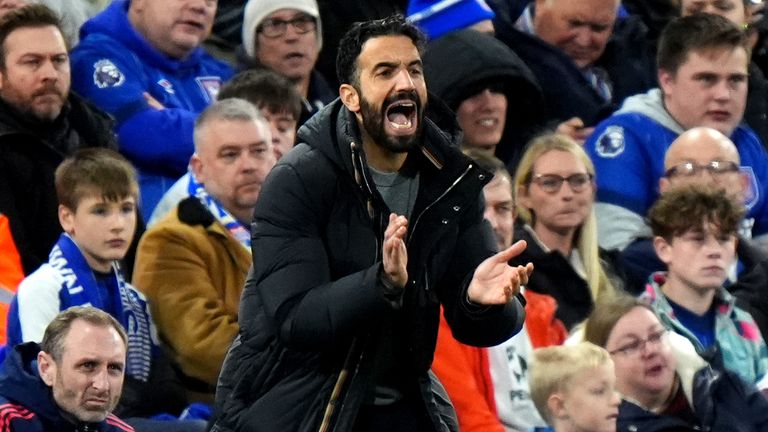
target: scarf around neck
238 231
81 289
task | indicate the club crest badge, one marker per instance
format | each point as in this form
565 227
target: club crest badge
106 74
210 86
752 192
611 142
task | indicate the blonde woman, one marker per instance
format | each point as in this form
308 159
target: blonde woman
555 190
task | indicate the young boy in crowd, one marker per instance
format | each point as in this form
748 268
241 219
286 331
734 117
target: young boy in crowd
573 388
694 230
98 193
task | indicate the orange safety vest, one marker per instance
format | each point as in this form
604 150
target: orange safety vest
11 272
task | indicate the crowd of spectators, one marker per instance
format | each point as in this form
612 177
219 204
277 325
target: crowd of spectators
625 140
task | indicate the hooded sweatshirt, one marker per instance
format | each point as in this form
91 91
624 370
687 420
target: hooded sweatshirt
628 151
114 66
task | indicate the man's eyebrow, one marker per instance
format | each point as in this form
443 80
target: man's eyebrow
385 64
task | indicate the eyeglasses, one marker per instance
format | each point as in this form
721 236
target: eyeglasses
274 27
552 183
715 168
636 347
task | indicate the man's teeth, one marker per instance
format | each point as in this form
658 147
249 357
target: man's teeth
405 125
487 122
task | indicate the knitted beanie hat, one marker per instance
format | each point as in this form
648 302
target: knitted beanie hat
258 10
437 17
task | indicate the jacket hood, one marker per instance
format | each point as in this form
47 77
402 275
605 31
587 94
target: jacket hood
334 129
21 383
457 63
113 22
651 105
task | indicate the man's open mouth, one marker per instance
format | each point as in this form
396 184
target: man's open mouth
401 115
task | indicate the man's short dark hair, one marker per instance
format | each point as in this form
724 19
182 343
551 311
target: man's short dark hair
693 33
34 15
351 44
264 88
691 208
58 329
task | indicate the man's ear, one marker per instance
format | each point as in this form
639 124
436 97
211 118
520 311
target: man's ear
46 366
197 168
66 219
663 185
663 249
350 97
665 80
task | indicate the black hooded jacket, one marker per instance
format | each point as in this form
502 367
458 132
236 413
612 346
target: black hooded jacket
462 63
314 308
27 404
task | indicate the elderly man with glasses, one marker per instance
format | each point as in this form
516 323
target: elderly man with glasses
286 36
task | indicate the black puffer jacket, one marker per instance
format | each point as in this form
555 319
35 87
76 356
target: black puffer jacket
315 306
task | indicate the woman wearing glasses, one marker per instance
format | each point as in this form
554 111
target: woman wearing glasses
555 191
664 385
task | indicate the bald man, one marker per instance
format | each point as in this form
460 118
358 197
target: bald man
704 155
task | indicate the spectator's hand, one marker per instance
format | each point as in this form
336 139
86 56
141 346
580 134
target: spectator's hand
574 128
495 281
154 103
395 255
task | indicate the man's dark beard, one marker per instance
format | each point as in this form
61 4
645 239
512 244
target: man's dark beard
373 122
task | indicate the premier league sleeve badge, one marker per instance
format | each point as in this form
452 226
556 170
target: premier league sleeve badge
106 74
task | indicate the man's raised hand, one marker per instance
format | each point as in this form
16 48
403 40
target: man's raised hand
495 282
395 255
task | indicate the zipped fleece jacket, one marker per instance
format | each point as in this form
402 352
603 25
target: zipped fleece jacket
314 309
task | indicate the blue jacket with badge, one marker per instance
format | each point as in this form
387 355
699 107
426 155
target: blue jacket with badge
114 66
628 152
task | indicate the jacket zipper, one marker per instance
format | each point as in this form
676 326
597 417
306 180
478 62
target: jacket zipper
344 374
450 188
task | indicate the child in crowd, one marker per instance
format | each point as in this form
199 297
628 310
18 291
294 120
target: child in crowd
694 232
573 388
98 194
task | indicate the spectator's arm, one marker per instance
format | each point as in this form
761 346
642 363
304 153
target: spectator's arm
460 368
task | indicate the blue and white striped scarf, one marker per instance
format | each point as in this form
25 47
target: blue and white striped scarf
238 231
131 311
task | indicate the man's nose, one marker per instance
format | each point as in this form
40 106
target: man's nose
48 71
196 5
722 90
101 380
404 80
583 37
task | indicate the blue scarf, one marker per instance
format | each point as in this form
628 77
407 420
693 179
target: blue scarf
81 289
238 231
